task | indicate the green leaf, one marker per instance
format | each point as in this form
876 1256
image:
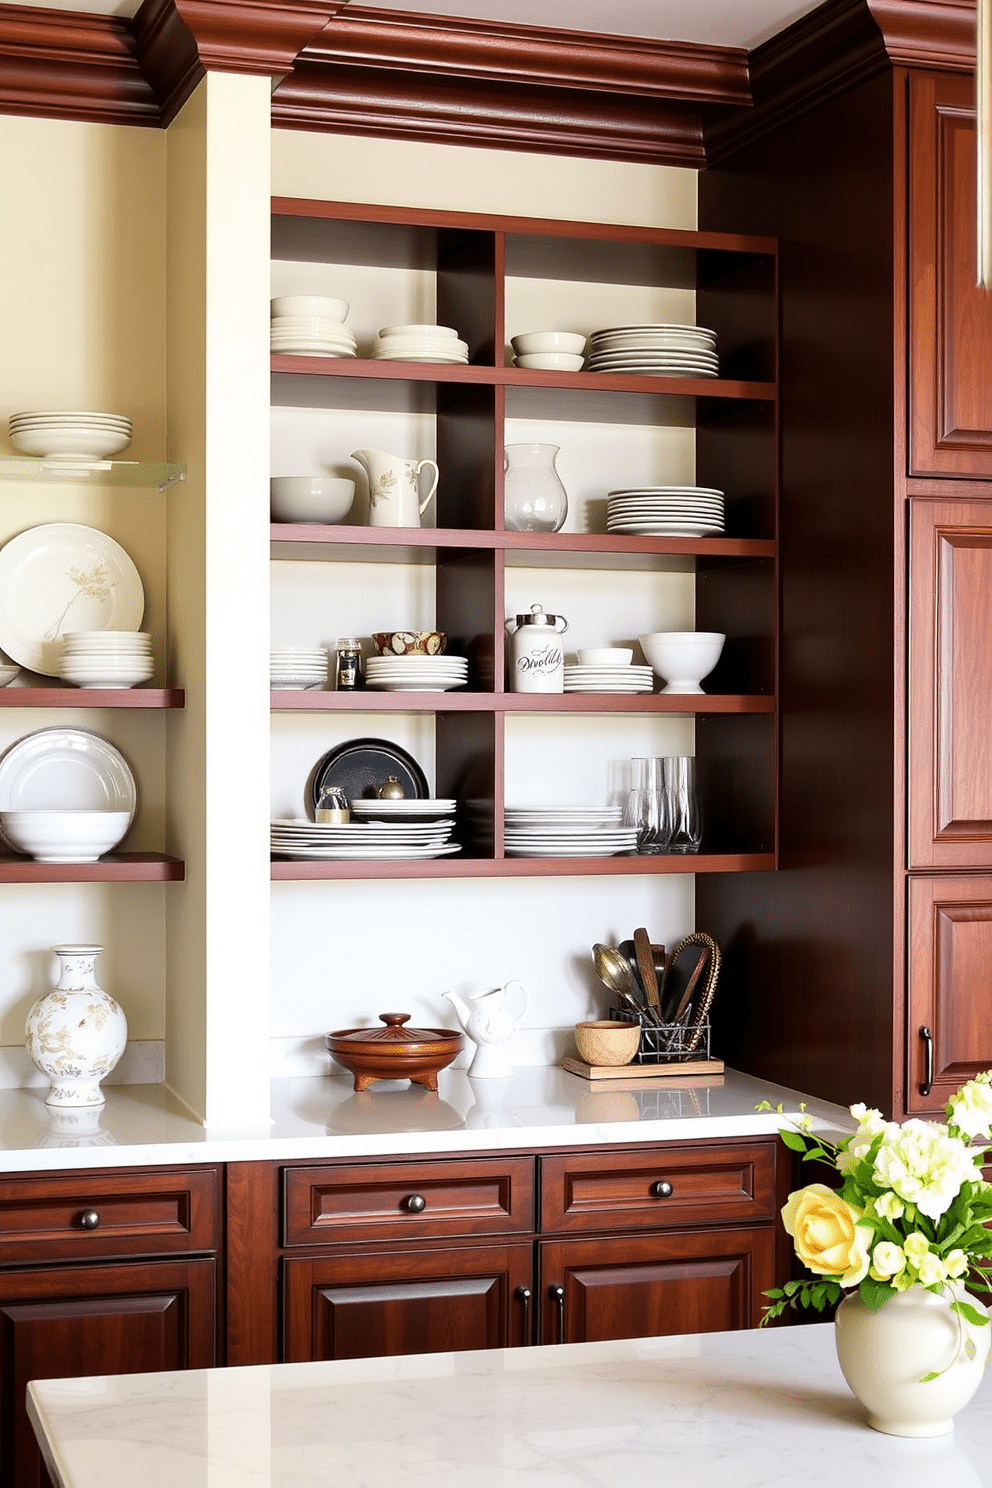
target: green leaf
969 1348
793 1140
874 1293
934 1374
792 1287
970 1314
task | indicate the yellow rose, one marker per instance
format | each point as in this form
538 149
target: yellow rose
827 1236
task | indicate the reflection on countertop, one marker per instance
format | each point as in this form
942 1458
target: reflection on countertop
538 1107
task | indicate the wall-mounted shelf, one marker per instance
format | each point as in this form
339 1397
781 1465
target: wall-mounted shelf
706 862
115 868
487 702
64 696
136 473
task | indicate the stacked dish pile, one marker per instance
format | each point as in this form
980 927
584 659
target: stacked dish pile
299 668
364 839
106 658
609 678
655 351
419 343
549 351
66 796
566 832
69 436
311 325
665 511
412 673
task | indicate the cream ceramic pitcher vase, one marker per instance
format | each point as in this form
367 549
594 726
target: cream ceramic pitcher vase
394 487
490 1024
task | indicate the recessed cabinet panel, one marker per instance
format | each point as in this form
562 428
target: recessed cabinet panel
950 936
950 318
950 695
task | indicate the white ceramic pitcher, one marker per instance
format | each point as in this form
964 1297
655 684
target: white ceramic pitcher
490 1024
394 487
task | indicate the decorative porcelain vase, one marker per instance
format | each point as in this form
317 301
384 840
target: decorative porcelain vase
884 1355
76 1033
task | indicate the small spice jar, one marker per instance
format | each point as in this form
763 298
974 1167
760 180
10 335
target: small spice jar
348 664
332 805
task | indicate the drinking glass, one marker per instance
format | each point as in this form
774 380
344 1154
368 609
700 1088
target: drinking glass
647 806
682 804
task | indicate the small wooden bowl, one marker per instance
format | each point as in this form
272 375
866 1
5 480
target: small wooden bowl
606 1042
394 1052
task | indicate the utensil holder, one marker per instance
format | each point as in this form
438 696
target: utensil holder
652 1048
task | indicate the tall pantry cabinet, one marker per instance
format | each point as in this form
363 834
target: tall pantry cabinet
866 957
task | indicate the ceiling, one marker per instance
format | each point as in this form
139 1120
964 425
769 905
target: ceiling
737 23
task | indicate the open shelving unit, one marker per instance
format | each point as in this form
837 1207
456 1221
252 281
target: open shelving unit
477 265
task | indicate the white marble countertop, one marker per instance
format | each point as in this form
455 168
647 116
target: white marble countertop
721 1410
538 1107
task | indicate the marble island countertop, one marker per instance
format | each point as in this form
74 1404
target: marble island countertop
757 1409
538 1107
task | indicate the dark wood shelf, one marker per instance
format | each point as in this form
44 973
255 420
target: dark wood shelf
572 549
114 868
374 701
735 862
64 696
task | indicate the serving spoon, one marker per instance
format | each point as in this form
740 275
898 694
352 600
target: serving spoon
614 972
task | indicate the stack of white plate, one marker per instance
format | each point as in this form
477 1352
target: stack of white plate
311 325
566 832
419 343
438 810
297 668
70 436
293 838
416 673
106 658
655 350
666 511
627 679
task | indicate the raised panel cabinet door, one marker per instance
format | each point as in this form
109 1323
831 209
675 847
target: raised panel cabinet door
950 319
950 954
949 768
695 1281
424 1301
133 1318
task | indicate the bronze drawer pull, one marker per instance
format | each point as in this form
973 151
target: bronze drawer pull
557 1295
662 1189
89 1219
414 1204
523 1295
927 1038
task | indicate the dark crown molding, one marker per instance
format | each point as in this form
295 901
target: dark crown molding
60 64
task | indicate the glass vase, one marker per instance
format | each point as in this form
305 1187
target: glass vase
534 499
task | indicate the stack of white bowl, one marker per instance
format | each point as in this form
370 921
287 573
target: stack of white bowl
70 436
311 325
416 673
106 658
419 343
549 351
297 668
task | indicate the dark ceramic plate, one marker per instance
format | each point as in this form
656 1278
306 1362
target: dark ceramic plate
360 767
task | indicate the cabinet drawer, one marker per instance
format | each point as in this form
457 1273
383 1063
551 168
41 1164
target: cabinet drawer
670 1186
481 1197
136 1214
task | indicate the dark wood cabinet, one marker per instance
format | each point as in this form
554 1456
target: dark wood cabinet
950 684
950 319
423 1300
950 939
129 1318
635 1286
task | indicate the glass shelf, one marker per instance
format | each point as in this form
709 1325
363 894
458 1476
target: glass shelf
156 475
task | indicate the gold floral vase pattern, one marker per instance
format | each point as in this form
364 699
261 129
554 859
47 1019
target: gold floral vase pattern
76 1033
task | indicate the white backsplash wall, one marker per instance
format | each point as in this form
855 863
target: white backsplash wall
342 953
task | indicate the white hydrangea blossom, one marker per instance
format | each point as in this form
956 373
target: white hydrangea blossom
971 1109
870 1123
924 1166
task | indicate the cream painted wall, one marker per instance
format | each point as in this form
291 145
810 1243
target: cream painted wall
82 321
343 952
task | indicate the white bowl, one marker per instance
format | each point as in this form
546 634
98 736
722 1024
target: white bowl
431 332
535 342
93 673
320 305
70 441
551 361
606 656
310 498
8 671
64 836
682 658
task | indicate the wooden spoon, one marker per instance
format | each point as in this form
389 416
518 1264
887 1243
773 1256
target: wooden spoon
645 964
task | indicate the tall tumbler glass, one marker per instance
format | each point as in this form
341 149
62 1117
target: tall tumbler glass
647 806
682 802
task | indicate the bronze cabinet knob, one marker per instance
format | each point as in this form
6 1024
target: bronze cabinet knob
414 1204
662 1189
89 1219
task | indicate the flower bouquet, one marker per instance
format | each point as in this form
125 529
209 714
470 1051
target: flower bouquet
898 1246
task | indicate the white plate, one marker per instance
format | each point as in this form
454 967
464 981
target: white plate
666 491
372 853
659 328
433 686
61 577
66 769
298 350
389 356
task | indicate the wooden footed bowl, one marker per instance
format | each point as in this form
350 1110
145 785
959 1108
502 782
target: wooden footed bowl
394 1052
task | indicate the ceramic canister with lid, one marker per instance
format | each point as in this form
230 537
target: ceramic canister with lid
536 657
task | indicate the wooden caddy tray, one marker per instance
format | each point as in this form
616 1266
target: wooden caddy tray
642 1071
